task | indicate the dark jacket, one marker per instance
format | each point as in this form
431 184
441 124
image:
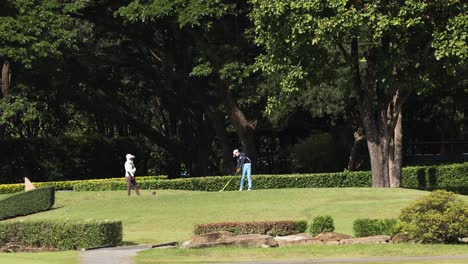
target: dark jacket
242 159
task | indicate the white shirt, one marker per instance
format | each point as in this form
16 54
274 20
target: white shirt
129 168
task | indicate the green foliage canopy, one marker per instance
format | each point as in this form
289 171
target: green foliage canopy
308 41
30 30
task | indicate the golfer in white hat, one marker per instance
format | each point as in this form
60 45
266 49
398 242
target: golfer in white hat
130 174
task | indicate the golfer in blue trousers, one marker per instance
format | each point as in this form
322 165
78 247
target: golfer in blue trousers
244 164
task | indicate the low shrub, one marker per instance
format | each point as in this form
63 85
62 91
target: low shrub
63 235
321 224
372 227
438 218
25 203
273 228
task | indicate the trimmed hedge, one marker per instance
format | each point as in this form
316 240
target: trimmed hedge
372 227
216 183
69 185
25 203
274 228
452 177
62 235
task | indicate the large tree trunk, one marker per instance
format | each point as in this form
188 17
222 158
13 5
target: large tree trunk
359 138
6 77
378 146
245 129
396 154
373 121
384 141
379 119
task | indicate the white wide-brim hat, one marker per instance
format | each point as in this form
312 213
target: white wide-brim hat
129 156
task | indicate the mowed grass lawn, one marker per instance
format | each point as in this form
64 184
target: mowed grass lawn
301 253
171 215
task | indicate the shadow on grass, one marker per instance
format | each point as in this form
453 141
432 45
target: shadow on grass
129 243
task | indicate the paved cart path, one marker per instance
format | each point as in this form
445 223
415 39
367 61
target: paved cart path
114 255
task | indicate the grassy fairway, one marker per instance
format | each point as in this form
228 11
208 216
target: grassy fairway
170 215
299 253
67 257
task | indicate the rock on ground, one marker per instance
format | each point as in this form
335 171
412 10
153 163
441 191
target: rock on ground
229 239
331 236
367 240
401 238
294 240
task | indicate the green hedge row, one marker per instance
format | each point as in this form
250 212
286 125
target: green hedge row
61 235
451 177
25 203
372 227
216 183
273 228
69 185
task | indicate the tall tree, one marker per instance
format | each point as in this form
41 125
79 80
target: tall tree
30 30
217 56
384 45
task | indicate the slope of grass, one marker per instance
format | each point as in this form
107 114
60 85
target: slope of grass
298 253
170 215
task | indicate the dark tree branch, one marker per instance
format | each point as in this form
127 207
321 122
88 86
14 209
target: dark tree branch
168 143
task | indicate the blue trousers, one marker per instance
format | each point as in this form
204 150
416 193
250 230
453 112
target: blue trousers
246 170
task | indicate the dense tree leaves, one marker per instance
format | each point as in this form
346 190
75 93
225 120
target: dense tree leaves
30 30
385 46
199 78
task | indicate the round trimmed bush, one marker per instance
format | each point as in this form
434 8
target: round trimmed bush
438 218
321 224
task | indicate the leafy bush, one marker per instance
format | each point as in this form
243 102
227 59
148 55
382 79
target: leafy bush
372 227
25 203
274 228
437 218
321 224
64 235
